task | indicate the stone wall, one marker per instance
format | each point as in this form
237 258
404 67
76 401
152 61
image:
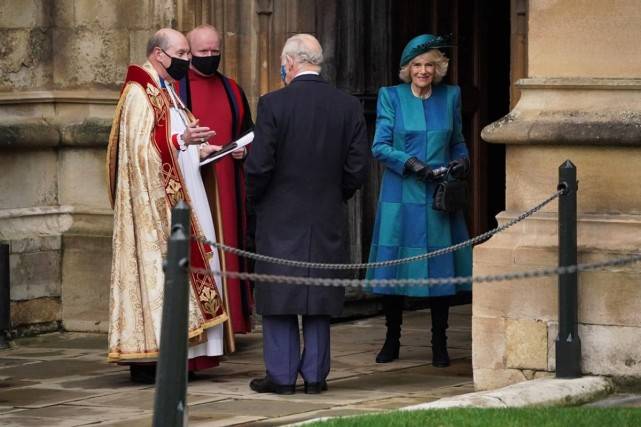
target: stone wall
579 102
61 68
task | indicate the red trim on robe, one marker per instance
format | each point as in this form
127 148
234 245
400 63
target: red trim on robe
209 302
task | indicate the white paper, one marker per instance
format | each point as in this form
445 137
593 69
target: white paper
239 143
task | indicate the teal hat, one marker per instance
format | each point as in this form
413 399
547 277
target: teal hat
421 44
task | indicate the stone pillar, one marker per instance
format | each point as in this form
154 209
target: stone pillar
61 69
580 101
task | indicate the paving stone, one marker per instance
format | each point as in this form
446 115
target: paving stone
220 420
83 413
35 397
6 363
16 420
338 373
9 383
248 357
441 392
67 340
137 399
261 407
338 412
229 370
120 382
392 403
370 349
145 421
398 382
335 396
227 385
365 363
57 369
458 368
44 354
37 354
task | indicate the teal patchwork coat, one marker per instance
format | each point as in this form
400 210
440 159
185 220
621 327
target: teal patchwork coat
406 225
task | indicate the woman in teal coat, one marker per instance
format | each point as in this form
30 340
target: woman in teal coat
418 129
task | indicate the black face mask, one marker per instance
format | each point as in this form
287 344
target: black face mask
177 68
206 64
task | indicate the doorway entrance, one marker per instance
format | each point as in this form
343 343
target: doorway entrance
365 51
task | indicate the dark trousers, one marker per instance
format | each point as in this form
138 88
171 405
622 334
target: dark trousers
282 353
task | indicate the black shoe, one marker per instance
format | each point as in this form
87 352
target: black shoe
440 357
265 385
390 351
143 374
315 388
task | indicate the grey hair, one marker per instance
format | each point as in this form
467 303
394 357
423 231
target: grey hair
160 40
301 52
441 62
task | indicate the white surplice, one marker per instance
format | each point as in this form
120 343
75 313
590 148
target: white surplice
189 162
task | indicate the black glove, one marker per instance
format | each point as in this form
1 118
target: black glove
459 168
420 170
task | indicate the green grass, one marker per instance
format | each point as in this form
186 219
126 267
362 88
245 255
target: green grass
513 417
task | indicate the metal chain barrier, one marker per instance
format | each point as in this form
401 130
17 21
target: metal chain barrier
390 263
314 281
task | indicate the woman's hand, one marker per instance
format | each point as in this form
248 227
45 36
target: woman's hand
420 170
459 168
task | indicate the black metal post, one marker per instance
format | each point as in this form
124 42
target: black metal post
5 296
568 343
170 408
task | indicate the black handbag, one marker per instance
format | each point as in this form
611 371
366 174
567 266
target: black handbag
450 195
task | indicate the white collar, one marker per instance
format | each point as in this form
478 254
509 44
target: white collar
302 73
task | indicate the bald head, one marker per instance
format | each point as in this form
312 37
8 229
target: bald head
204 31
164 47
164 39
304 49
204 40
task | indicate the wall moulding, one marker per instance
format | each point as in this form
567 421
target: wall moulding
574 111
40 119
43 221
61 96
30 133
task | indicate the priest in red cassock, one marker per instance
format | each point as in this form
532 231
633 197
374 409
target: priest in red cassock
220 104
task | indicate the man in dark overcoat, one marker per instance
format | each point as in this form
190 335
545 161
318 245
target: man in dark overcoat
309 156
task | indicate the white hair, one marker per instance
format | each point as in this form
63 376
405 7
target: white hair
304 48
440 61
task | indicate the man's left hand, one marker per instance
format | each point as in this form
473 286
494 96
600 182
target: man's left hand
239 154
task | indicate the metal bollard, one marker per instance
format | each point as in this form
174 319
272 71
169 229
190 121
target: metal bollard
568 343
5 296
170 406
